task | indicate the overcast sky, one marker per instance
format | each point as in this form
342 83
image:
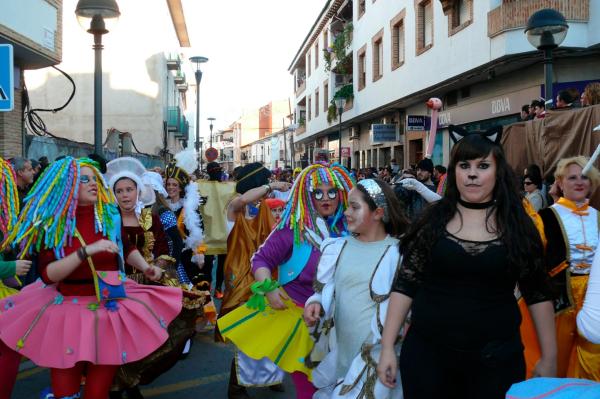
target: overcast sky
250 44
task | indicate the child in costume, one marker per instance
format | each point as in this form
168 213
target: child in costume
9 212
85 316
276 206
354 281
313 213
249 222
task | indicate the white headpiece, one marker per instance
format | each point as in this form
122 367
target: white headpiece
155 181
132 169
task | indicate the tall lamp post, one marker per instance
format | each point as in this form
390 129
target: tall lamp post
92 16
198 74
340 102
211 119
546 29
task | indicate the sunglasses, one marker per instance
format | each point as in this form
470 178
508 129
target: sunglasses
319 195
528 183
85 179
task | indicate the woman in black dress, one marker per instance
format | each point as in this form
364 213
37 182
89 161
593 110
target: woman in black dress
462 261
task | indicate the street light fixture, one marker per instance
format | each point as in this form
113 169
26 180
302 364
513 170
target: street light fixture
546 29
340 103
198 74
93 15
211 119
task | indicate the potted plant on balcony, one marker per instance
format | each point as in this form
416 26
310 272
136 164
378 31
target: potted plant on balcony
347 92
339 47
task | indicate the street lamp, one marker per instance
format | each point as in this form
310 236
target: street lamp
546 29
92 16
340 102
211 119
198 74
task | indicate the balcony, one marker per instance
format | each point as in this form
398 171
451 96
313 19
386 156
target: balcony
514 15
173 62
182 87
183 127
179 78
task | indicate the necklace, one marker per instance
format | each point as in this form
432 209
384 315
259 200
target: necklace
476 205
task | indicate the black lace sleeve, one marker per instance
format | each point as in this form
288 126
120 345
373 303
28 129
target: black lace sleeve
535 284
409 276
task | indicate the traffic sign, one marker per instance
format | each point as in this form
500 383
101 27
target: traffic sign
211 154
6 78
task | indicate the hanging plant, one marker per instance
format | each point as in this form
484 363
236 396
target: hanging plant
331 112
339 48
347 92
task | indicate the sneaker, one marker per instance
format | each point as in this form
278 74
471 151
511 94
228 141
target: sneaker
218 294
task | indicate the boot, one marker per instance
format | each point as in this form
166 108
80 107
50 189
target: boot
134 393
234 389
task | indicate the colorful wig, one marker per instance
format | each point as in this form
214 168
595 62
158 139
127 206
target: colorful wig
48 220
9 199
300 212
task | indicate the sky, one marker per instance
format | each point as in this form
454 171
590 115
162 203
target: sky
250 45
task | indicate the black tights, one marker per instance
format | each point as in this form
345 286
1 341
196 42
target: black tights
208 266
430 370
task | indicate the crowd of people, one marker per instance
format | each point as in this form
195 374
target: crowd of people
429 282
565 99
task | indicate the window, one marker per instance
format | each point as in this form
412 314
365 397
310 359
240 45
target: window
325 96
377 46
317 103
397 30
317 55
362 67
325 38
309 63
309 108
460 16
424 25
362 6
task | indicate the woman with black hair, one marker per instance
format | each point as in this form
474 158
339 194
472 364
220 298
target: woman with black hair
532 184
462 261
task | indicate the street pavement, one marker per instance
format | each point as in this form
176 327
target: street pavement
203 374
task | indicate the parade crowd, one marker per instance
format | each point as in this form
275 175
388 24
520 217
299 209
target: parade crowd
437 281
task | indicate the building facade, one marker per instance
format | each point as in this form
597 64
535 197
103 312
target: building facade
35 31
143 82
388 58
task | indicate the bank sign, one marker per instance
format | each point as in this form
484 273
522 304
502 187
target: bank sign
418 123
384 132
6 77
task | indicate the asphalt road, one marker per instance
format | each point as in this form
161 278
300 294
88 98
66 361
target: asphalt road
203 374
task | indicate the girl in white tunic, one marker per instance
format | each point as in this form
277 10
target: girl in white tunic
353 283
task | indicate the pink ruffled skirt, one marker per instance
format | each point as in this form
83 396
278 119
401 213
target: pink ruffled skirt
58 331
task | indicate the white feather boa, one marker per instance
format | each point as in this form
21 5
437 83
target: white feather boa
191 219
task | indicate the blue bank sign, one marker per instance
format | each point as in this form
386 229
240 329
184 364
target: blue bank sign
384 132
6 77
417 123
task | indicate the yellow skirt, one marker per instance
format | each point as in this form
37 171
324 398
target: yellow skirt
279 335
6 291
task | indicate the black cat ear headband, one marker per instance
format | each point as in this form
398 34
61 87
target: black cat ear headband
457 133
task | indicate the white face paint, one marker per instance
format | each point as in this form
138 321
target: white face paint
359 216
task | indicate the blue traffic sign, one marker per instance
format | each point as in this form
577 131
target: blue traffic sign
6 78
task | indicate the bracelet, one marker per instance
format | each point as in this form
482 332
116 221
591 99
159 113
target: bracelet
268 187
80 254
84 251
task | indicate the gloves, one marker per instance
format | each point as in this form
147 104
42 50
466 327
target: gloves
415 185
588 319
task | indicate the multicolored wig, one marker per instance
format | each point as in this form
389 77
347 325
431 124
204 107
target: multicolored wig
9 198
300 211
48 220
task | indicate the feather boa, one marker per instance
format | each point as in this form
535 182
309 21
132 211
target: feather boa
191 219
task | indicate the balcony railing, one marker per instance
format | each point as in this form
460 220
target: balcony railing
173 116
173 62
514 15
179 78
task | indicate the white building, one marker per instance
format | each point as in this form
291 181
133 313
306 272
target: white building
473 55
144 84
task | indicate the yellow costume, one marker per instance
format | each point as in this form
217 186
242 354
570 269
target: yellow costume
214 214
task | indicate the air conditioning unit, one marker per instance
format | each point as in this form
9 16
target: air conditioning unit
354 132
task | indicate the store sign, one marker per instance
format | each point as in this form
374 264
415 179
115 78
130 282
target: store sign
494 107
346 152
384 132
6 78
417 123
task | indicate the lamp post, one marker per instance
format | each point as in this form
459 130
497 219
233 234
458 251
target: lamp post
211 119
340 102
92 16
198 74
546 29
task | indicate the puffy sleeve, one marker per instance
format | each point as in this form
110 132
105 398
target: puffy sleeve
45 258
534 284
